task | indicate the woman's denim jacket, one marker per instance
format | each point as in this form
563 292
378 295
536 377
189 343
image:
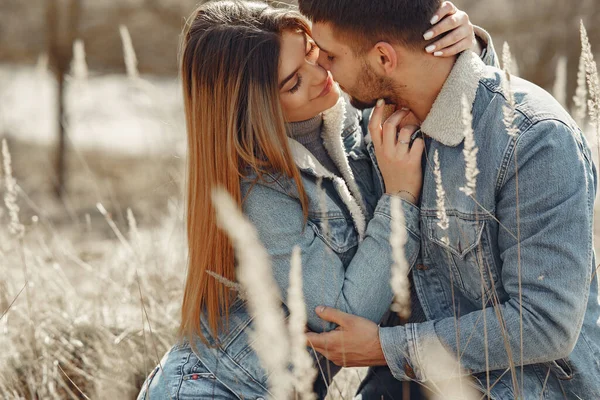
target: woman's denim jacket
521 247
346 255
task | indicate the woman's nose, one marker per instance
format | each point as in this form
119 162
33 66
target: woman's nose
323 61
319 74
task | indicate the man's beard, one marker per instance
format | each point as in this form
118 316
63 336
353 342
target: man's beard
369 88
361 105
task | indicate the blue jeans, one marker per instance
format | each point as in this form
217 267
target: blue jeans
380 384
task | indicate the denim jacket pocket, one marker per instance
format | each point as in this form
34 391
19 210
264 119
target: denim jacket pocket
561 369
464 248
336 232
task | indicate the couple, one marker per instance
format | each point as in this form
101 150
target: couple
503 277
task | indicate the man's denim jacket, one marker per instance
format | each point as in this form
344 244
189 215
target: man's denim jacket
517 258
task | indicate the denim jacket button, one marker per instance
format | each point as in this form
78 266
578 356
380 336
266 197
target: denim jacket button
422 267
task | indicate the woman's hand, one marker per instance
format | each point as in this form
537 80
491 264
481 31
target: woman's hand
461 34
400 164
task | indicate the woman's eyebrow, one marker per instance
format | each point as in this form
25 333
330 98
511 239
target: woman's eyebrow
290 76
287 79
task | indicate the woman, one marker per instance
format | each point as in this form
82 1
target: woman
267 122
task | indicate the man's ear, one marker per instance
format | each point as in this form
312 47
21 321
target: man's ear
384 57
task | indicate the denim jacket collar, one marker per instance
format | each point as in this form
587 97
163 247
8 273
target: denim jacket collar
333 124
444 122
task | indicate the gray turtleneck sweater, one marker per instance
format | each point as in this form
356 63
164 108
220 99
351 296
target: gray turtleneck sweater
308 134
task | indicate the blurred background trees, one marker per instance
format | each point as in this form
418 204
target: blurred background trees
539 31
542 34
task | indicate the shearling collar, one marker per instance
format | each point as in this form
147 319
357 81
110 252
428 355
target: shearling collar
333 124
444 122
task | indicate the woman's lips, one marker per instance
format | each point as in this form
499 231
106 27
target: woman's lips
328 86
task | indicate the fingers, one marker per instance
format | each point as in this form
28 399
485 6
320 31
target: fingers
449 23
417 149
459 27
456 36
457 48
404 139
375 123
318 341
447 8
332 315
390 130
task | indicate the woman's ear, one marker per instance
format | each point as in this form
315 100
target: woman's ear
384 57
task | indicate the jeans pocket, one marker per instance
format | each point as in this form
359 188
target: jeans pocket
198 382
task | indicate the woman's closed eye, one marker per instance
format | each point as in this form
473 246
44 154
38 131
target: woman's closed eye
297 85
312 50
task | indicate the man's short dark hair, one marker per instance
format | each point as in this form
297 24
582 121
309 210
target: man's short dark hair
370 21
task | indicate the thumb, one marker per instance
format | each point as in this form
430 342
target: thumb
332 315
375 123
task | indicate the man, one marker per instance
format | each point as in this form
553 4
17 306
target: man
506 275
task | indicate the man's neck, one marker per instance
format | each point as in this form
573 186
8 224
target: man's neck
425 84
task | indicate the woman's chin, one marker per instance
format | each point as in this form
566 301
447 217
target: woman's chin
332 98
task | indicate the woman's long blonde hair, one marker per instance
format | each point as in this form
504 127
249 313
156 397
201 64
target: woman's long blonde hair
229 70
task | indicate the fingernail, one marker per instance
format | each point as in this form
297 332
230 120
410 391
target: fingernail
430 48
405 108
438 54
380 103
428 35
320 309
434 19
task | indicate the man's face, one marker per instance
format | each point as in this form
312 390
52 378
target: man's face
352 72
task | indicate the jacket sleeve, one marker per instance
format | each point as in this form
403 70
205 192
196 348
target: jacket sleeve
362 288
549 244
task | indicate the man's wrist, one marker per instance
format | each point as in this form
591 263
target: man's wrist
405 195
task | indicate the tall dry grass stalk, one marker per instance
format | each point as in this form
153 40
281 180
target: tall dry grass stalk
440 192
508 111
131 62
10 196
270 337
470 150
593 81
444 376
510 116
581 95
302 363
79 68
400 268
560 82
227 283
41 65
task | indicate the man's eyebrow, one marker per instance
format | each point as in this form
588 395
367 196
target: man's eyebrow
290 76
321 47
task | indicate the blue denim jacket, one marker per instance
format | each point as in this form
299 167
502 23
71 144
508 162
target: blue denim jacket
532 213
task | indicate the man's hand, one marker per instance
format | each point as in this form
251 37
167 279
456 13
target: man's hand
355 343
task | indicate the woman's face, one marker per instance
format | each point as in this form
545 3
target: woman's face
306 89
